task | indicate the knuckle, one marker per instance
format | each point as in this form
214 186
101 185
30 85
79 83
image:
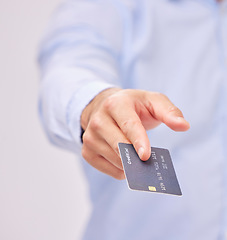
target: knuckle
175 110
87 139
110 103
128 124
95 122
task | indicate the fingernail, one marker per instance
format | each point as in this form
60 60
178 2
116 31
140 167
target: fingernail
141 152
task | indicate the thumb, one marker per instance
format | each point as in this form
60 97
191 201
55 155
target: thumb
162 109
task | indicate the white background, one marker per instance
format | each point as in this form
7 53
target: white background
43 194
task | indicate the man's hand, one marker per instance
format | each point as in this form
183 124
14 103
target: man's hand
117 115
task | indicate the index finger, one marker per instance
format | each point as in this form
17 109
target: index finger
132 127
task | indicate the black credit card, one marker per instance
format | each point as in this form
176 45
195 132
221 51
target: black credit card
157 174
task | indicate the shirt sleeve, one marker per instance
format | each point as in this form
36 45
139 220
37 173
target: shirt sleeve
80 56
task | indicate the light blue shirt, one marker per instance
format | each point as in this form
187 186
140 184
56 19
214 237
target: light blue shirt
177 47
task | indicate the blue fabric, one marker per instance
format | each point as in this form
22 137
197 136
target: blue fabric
177 47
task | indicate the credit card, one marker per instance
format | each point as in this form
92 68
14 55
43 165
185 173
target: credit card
157 174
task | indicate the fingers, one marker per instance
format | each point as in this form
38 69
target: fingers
106 128
124 117
143 109
134 131
102 136
102 164
128 121
102 148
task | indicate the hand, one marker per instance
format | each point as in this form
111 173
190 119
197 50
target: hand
117 115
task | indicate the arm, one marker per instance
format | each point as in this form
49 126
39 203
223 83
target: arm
80 61
79 57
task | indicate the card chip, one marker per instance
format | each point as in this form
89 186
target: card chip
151 188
